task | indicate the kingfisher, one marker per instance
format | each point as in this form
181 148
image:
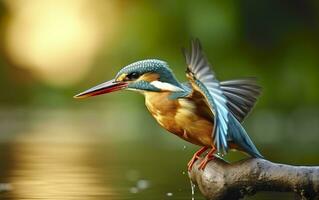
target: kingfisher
203 111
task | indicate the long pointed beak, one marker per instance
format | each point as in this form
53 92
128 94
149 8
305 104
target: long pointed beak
107 87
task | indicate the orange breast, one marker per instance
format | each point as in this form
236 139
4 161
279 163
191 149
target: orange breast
182 117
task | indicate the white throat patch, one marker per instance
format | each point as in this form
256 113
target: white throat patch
166 86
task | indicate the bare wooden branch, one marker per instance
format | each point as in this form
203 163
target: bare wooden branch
221 180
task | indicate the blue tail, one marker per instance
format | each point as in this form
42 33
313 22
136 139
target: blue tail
240 137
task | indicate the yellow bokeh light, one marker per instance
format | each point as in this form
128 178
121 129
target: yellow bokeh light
58 40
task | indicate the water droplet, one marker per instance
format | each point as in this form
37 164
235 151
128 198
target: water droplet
184 147
183 172
193 189
169 194
219 155
142 184
133 190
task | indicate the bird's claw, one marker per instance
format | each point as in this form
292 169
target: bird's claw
191 162
204 162
207 158
195 157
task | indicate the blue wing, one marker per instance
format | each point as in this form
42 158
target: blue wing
222 101
241 96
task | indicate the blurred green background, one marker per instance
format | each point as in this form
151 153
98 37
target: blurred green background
55 147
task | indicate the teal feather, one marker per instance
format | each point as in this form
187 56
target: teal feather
143 85
181 94
154 66
229 101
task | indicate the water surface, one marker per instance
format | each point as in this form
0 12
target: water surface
59 155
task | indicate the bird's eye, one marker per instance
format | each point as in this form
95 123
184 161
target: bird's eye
132 76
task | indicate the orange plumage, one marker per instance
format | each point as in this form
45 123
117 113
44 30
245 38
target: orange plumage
186 118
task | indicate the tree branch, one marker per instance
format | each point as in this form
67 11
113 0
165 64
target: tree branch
221 180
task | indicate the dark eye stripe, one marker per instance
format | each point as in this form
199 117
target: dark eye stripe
133 76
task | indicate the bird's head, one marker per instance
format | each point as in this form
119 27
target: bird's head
143 76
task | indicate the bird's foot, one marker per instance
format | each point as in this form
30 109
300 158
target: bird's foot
210 156
204 162
191 162
196 157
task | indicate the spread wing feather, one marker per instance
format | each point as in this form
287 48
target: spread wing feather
205 82
242 95
229 101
